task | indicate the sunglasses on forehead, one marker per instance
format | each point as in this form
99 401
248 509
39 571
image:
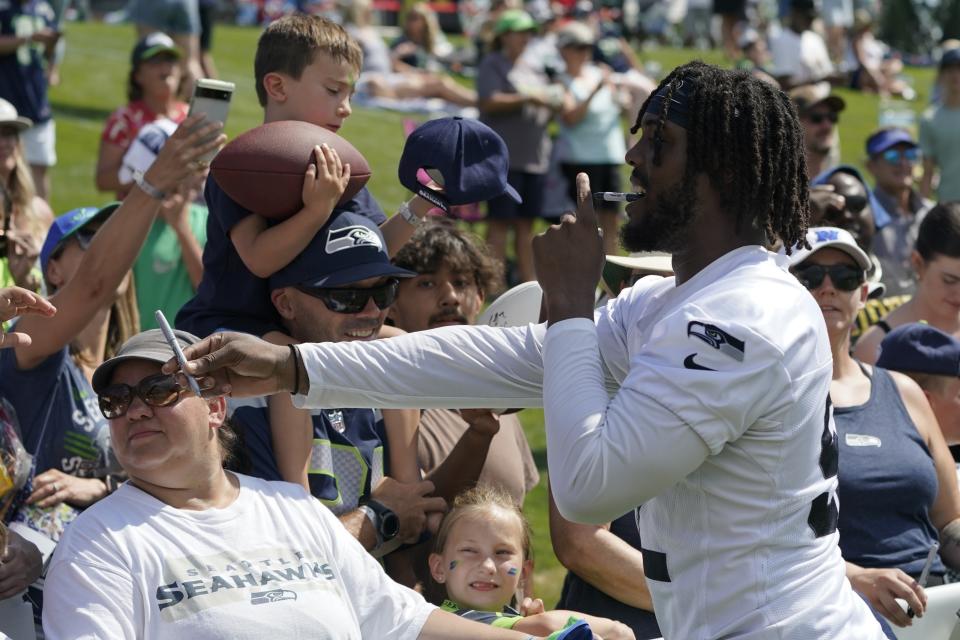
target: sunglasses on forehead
354 300
843 276
894 156
158 390
821 117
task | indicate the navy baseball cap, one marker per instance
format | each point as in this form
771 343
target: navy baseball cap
471 157
886 138
348 249
919 348
68 224
880 216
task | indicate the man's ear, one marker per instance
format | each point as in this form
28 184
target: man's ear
275 85
281 299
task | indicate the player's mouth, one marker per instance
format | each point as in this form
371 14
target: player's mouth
332 127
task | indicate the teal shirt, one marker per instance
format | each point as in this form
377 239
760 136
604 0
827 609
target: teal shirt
940 142
160 273
598 138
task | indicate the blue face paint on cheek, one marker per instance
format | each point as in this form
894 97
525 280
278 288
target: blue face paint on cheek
453 565
512 571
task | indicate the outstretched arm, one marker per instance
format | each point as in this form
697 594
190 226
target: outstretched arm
454 367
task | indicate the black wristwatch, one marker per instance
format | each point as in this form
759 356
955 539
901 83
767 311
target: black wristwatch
385 522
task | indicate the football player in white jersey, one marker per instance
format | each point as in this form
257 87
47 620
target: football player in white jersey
703 397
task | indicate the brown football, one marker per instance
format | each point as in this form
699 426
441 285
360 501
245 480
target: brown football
263 169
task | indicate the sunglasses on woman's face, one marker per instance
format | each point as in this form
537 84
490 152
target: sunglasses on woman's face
894 156
158 390
354 300
843 276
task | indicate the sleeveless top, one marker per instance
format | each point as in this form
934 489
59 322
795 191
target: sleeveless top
887 483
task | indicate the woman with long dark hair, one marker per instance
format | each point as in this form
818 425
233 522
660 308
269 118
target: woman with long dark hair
936 262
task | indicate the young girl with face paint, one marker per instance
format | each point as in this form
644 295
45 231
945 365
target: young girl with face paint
481 560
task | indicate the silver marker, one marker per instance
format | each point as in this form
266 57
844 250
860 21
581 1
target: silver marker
616 196
177 351
925 573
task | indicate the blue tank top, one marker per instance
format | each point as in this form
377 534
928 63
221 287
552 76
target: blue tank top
887 483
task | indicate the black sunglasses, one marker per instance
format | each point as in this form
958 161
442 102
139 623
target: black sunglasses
855 204
354 300
158 390
819 118
84 237
843 276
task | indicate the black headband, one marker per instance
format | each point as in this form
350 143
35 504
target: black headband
679 108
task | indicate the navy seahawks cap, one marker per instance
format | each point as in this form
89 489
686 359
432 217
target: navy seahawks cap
917 347
470 156
348 249
68 224
886 138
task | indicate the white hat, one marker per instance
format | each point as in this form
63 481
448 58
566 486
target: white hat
823 237
10 118
575 34
653 261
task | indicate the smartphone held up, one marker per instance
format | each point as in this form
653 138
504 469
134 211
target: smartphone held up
211 99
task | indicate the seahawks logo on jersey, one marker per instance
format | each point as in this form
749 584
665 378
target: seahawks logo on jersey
351 238
717 338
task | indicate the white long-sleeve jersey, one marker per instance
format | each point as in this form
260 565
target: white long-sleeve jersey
706 403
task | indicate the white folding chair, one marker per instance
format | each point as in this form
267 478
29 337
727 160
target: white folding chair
940 622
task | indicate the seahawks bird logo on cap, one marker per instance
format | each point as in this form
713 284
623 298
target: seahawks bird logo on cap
351 238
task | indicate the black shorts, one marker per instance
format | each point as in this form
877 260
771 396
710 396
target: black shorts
603 177
530 186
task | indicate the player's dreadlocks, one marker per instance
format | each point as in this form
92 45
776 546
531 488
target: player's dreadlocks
744 135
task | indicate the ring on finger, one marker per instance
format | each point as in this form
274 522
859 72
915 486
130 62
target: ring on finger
56 488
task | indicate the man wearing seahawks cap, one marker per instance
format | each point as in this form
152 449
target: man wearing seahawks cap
337 290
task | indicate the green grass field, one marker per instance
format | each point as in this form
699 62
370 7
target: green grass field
93 84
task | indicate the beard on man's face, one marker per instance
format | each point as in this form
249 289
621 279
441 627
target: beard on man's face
666 227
